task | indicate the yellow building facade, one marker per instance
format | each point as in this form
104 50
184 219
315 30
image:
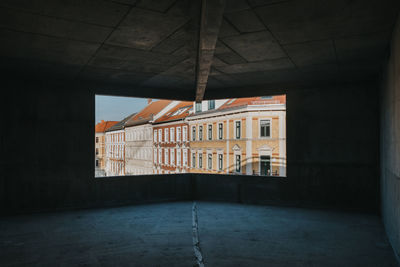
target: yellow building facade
243 136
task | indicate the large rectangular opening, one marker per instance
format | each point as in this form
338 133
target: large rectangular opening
240 136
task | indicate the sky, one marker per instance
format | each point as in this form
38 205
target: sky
115 108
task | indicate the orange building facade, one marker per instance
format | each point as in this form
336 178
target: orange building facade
171 145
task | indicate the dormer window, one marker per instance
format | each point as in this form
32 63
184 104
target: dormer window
198 107
211 104
231 101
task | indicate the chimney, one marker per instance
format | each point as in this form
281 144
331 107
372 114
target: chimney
149 100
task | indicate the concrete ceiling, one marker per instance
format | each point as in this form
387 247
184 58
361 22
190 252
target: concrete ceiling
144 47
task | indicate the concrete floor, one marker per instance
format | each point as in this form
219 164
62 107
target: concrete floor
161 235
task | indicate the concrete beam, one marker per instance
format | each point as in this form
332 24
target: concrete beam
210 22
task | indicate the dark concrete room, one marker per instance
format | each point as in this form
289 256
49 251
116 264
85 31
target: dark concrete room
302 167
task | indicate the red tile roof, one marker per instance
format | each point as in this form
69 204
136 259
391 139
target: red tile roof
102 126
148 112
180 111
260 100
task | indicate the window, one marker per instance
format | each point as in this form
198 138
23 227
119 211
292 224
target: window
179 111
210 132
184 135
200 132
231 101
200 160
198 107
166 135
166 158
220 131
220 162
178 157
193 160
237 163
193 133
172 134
211 104
178 134
172 156
185 157
159 135
265 128
209 162
231 136
237 129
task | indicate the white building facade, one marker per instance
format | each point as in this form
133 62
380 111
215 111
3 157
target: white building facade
139 150
115 153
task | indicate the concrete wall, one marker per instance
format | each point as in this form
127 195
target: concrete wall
47 154
332 152
390 143
333 147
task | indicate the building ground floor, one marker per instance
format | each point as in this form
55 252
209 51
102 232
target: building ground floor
139 167
115 167
264 160
99 172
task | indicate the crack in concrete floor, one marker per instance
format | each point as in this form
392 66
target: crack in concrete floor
196 242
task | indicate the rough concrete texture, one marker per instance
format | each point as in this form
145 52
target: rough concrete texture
333 145
149 235
161 235
47 154
55 55
332 151
242 235
390 144
128 43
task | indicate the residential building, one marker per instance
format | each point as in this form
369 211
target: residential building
240 136
171 140
100 130
115 148
139 137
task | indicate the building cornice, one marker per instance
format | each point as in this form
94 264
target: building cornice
236 110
